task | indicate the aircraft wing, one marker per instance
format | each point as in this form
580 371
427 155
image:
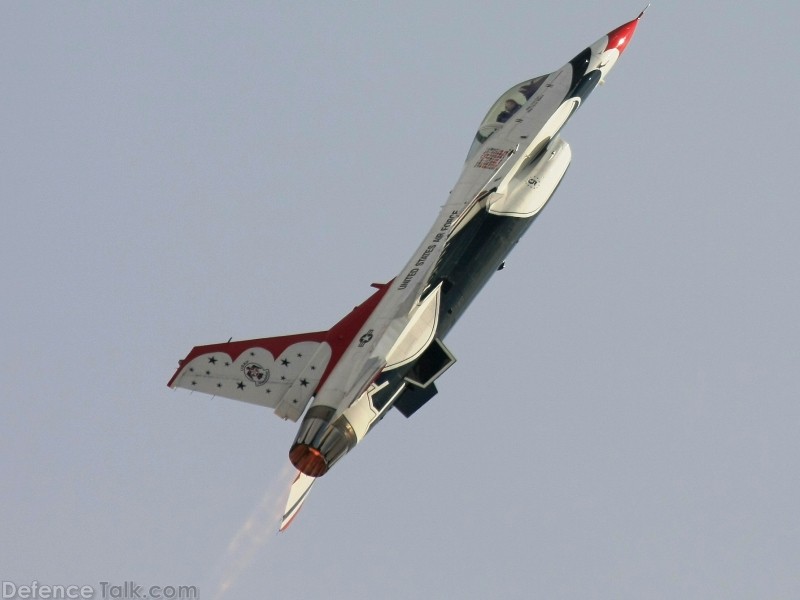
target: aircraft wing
280 372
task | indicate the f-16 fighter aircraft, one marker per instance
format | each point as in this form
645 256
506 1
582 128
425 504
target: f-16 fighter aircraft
389 351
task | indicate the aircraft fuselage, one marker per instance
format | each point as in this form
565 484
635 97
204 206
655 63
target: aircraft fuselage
509 176
389 351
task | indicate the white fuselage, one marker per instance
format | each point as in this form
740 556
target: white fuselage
511 171
492 168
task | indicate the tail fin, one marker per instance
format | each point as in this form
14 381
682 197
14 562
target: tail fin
297 495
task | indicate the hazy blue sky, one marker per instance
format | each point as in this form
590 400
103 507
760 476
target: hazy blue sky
624 417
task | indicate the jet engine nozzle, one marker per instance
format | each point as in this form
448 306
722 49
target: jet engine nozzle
321 442
308 460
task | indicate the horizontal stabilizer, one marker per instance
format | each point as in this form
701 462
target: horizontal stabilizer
297 495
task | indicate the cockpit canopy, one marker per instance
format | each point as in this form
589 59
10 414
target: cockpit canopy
504 109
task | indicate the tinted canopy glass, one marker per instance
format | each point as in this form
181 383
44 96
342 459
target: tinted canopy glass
504 108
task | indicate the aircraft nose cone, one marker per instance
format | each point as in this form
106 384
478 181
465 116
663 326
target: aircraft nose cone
620 37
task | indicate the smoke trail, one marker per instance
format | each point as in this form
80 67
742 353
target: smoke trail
260 527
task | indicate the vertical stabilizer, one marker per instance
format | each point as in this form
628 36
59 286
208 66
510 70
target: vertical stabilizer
297 495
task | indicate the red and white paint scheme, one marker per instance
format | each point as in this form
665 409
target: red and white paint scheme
389 351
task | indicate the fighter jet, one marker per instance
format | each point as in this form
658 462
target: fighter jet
390 351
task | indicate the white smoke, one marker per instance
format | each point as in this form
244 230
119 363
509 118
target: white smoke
259 528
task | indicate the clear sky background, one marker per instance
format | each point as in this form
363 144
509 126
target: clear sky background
624 417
